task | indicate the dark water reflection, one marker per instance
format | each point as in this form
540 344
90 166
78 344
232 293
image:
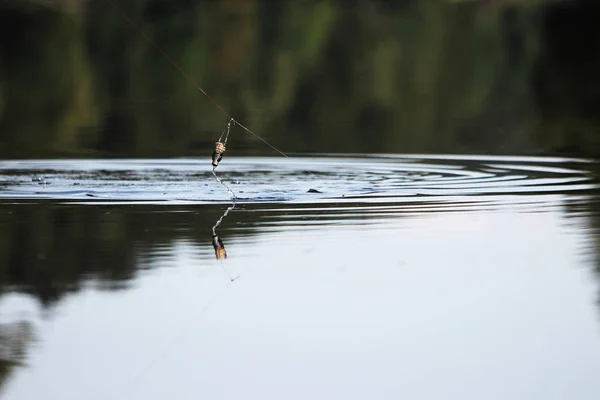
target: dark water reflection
479 274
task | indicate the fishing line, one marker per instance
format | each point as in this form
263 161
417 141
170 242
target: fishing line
231 192
189 78
134 383
161 51
221 219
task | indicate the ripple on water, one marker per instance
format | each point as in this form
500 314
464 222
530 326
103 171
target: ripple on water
378 185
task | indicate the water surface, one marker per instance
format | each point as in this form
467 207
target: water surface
457 277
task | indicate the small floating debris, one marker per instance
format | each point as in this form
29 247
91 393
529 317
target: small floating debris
40 180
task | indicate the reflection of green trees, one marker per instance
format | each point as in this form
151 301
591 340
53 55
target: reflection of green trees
565 78
49 250
315 75
588 209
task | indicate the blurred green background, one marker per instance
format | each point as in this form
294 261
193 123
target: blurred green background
439 76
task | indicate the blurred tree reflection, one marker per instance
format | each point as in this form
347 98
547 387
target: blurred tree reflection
15 339
326 75
50 250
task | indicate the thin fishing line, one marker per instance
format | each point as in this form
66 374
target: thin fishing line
222 134
217 241
134 384
231 279
161 51
220 220
231 192
226 132
265 142
261 139
189 78
177 338
214 228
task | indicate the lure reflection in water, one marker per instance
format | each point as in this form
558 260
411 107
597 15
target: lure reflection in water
220 252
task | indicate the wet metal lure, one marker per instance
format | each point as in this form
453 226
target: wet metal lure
217 155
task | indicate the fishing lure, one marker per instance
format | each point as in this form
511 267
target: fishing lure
217 155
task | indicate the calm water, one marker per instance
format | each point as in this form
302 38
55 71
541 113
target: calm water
396 277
